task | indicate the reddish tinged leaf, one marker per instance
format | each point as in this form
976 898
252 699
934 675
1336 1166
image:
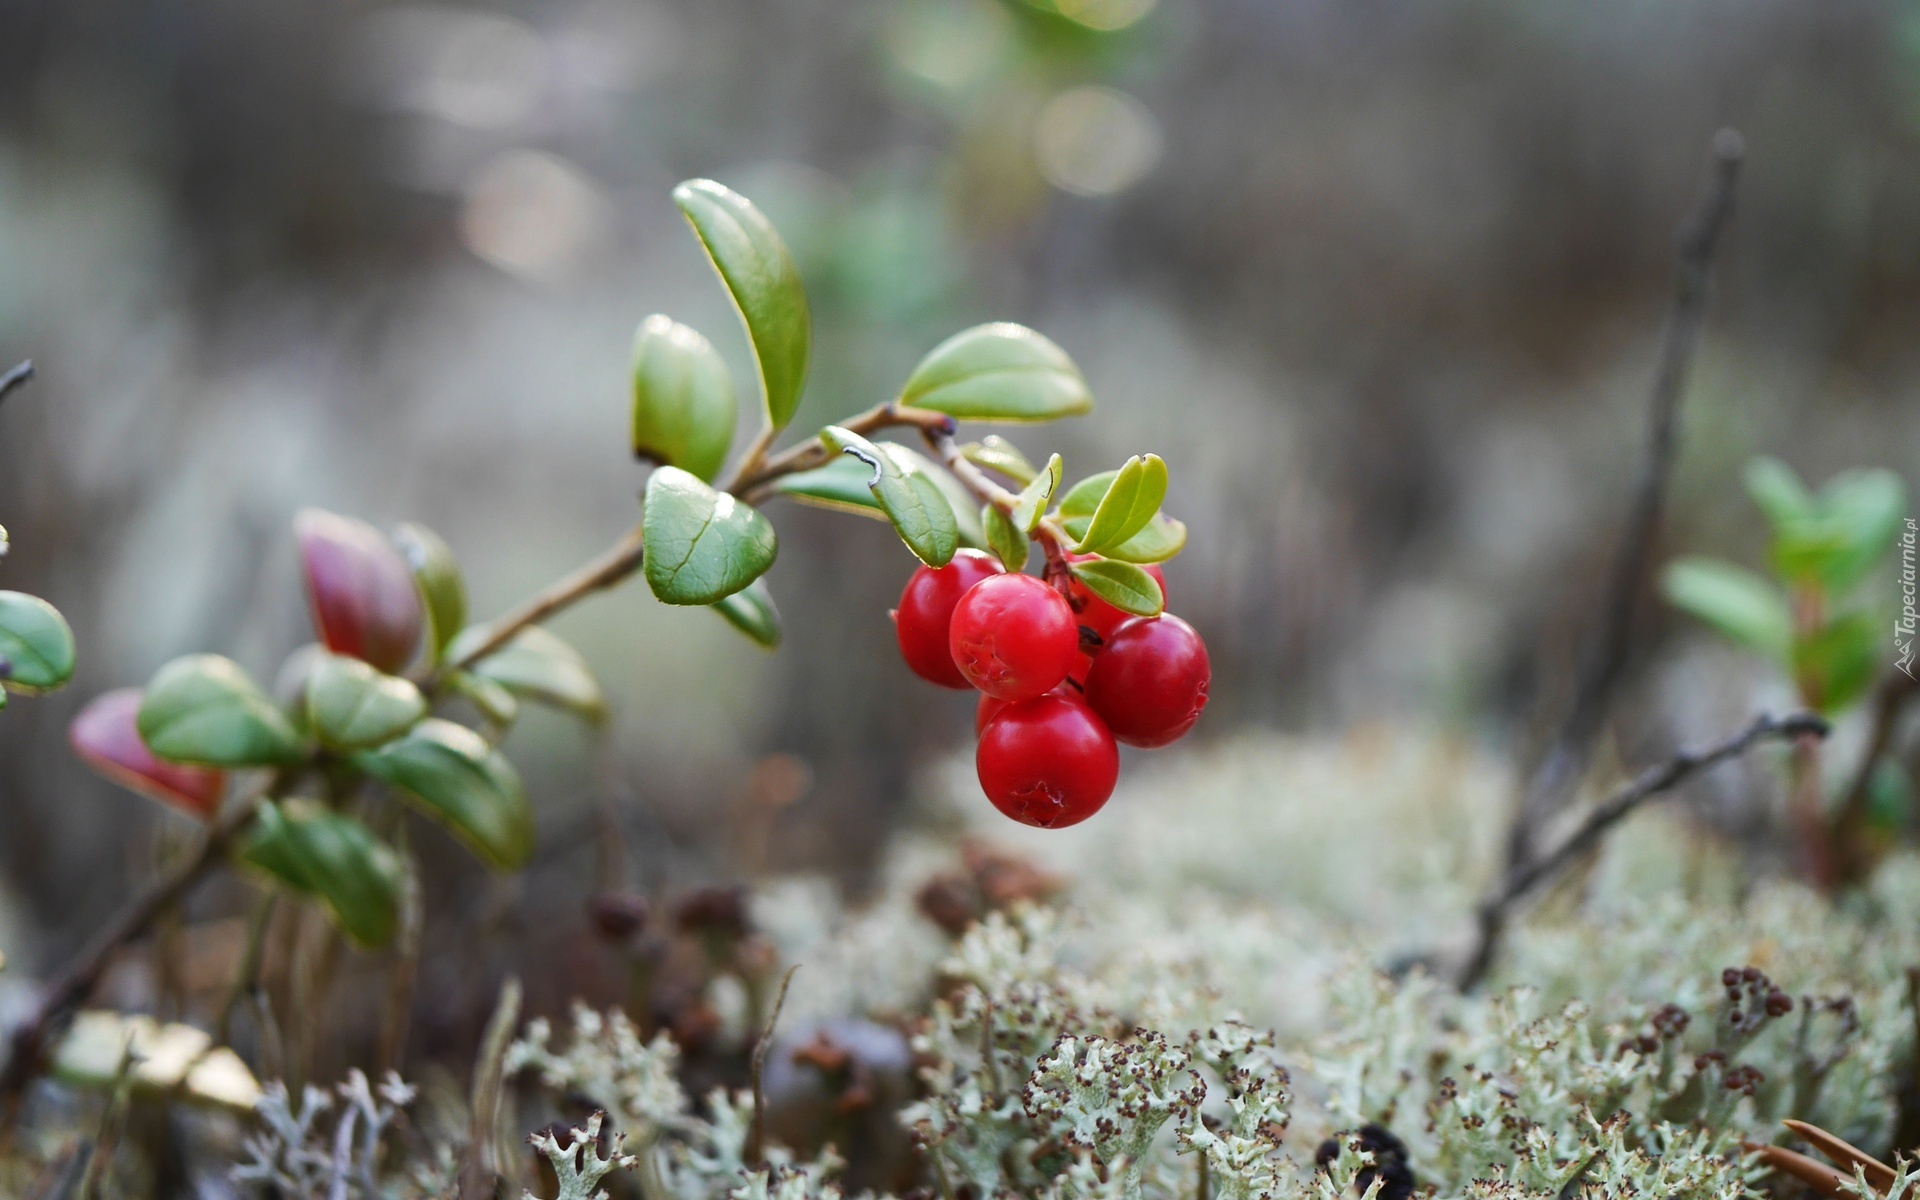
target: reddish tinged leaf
105 737
361 590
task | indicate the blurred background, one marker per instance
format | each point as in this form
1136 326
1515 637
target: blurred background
1381 280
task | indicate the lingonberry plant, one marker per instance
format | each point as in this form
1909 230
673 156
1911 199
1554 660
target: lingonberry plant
360 725
1820 621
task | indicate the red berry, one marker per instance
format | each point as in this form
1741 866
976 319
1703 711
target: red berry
985 711
1149 682
926 609
1014 637
1096 614
1047 762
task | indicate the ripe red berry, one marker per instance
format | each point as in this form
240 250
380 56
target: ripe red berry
1014 637
1149 682
1047 761
1096 614
988 708
926 610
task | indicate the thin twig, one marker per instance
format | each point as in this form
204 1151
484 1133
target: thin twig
755 1152
15 378
612 566
1890 700
1524 877
398 1017
1605 661
482 1163
247 972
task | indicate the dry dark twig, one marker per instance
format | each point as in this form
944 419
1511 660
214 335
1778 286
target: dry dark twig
1566 758
755 1153
1524 877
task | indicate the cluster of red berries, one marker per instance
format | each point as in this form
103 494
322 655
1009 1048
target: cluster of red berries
1058 687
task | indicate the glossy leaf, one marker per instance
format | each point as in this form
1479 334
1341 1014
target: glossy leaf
998 372
538 665
1734 600
702 545
1162 538
919 510
1868 509
751 610
996 453
203 709
1009 544
1123 585
966 517
351 706
334 859
106 736
683 403
1130 502
455 777
1035 497
765 285
1835 666
36 646
443 589
362 593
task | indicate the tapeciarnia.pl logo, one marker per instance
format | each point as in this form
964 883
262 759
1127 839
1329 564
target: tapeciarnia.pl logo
1904 624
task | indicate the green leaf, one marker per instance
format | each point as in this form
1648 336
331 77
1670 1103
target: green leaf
1778 492
702 545
1123 585
351 706
919 510
443 590
996 453
334 859
1128 505
765 285
840 485
998 372
35 643
460 781
683 404
1837 665
1734 600
1009 545
752 612
1867 509
203 709
1162 538
538 665
495 703
965 517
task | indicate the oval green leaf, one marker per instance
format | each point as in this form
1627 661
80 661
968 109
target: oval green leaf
765 285
538 665
1835 666
996 453
442 588
1778 491
351 706
1162 539
1008 544
751 610
919 510
998 372
495 703
203 709
36 644
1734 600
965 516
334 859
1123 585
702 545
1130 502
455 777
683 404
